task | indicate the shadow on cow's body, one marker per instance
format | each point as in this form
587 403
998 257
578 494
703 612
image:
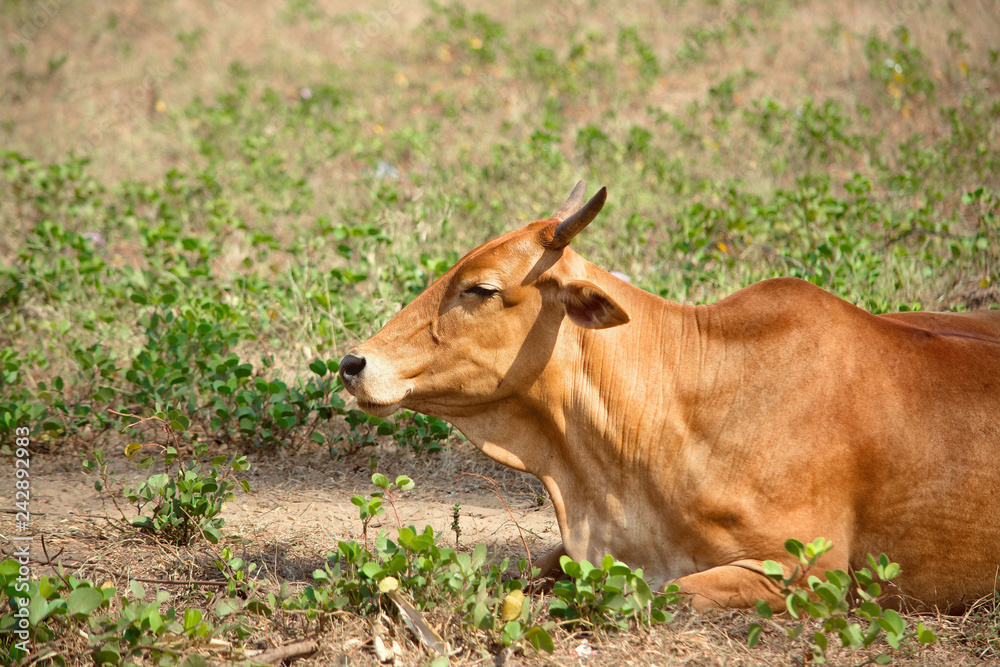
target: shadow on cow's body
692 441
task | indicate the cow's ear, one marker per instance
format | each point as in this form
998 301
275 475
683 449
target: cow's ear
588 306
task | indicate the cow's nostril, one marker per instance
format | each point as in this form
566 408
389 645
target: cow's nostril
351 367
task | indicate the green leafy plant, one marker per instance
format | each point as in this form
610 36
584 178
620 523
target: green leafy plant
430 576
368 509
40 611
115 629
610 596
831 602
900 67
181 503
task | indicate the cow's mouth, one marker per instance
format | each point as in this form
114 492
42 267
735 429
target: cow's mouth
379 409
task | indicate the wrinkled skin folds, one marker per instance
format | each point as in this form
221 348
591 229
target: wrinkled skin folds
692 441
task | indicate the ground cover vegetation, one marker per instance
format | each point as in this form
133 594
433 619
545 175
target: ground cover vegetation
182 270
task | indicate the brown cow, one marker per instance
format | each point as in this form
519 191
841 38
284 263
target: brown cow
692 441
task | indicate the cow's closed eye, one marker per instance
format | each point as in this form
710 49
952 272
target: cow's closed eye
483 291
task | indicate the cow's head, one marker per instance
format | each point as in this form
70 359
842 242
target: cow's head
486 328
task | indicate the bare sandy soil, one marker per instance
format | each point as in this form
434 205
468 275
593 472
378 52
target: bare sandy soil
301 505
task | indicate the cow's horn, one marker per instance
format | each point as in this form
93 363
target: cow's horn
572 204
572 225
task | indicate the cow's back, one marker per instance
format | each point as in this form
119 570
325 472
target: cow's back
984 323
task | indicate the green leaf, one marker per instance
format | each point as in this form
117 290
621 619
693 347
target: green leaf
753 634
607 563
38 609
107 655
851 636
817 548
892 621
569 566
773 569
839 578
660 616
157 481
793 604
540 639
642 592
925 635
82 601
794 547
380 480
8 571
479 554
258 607
318 367
763 609
882 659
482 619
511 633
870 610
156 624
227 607
192 618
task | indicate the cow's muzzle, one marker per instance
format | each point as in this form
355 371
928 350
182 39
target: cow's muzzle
374 382
351 367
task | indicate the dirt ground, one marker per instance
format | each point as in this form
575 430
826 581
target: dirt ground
299 506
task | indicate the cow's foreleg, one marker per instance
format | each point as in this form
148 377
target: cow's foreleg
739 584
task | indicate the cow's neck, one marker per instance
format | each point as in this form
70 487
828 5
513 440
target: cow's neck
609 406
